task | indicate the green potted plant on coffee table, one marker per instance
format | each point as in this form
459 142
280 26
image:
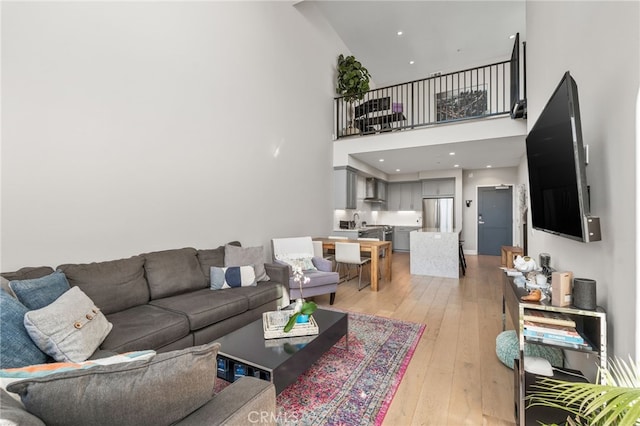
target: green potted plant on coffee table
303 308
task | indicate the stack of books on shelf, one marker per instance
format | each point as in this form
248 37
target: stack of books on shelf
552 328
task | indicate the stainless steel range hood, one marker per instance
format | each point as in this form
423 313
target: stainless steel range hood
371 191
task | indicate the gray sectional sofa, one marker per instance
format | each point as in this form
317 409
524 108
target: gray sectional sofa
162 301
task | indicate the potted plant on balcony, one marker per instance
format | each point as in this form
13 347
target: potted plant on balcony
352 84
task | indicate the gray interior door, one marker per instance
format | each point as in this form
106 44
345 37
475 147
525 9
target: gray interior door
495 219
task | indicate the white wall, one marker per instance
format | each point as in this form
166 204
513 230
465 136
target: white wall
598 42
130 127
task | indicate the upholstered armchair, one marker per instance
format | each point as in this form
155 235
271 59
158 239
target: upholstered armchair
298 251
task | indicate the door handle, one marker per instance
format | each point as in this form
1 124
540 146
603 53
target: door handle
481 222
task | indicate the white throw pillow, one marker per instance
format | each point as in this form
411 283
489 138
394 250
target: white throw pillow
232 277
303 260
70 329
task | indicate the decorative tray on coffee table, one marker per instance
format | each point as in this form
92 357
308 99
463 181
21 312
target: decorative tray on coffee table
273 324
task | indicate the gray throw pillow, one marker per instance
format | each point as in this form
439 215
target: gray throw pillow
69 329
157 392
37 293
244 256
13 413
17 348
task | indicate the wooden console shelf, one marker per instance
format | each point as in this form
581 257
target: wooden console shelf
591 324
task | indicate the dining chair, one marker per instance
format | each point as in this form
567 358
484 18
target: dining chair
332 252
365 254
348 254
318 251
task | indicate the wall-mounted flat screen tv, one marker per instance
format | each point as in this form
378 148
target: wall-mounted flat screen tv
556 160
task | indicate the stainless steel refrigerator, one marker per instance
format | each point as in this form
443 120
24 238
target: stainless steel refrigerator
437 213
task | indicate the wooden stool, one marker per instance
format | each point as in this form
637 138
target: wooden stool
508 253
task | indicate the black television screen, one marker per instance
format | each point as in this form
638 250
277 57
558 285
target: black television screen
556 160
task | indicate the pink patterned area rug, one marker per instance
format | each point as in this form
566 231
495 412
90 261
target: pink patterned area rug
353 386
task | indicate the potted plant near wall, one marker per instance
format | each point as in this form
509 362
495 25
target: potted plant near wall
352 84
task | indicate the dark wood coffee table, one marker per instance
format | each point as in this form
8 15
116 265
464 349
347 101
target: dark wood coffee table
245 352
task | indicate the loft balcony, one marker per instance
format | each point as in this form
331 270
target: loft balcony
475 93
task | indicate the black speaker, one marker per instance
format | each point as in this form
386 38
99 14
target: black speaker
584 293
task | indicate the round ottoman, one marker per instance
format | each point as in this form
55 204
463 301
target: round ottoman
507 350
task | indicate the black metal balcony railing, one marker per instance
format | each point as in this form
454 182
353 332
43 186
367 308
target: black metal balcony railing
473 93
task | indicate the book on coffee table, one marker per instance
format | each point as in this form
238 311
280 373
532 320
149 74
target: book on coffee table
273 325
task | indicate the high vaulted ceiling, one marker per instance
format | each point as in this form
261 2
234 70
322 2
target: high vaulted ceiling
438 36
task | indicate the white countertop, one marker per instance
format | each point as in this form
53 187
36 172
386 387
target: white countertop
439 230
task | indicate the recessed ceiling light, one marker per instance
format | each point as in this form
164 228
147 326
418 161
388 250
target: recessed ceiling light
456 165
381 160
489 166
397 170
412 62
512 36
399 33
452 153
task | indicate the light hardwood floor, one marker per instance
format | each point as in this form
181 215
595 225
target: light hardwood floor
454 377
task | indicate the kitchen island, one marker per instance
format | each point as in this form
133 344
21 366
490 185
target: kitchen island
434 251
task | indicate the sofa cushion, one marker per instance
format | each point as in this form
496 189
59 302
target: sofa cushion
243 256
144 327
160 391
172 272
17 348
205 307
69 329
232 277
113 285
36 293
316 278
209 258
263 292
28 272
213 257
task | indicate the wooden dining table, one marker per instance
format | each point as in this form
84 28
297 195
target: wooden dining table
373 247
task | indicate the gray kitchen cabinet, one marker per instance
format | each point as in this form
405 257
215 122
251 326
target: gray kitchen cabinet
401 237
393 196
416 194
345 188
404 196
438 187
